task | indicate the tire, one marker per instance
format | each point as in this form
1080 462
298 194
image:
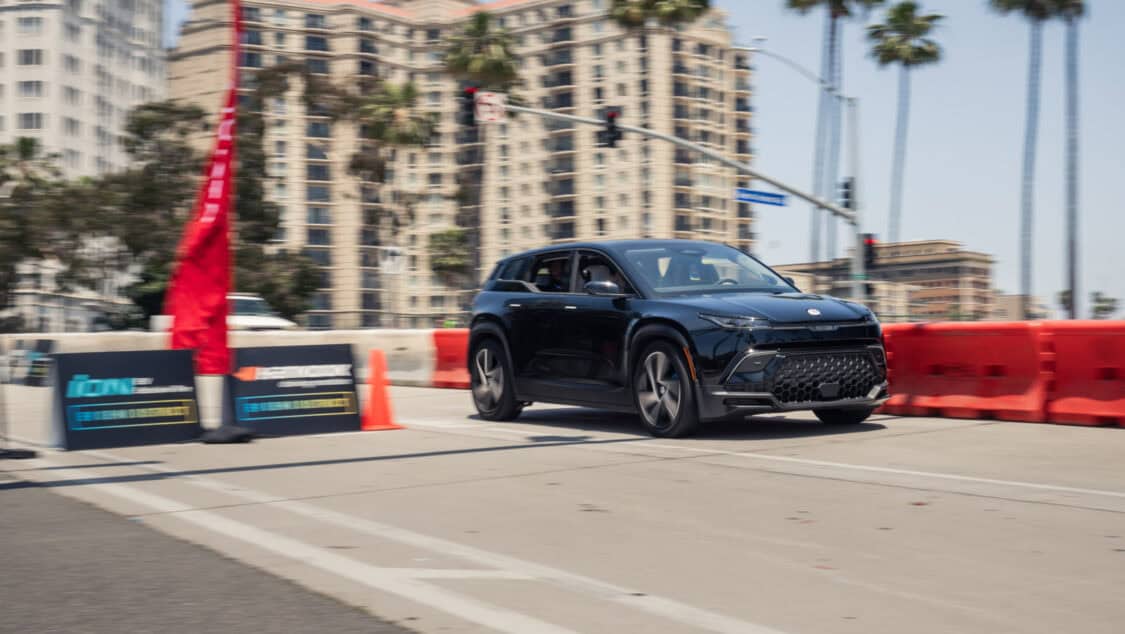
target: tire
491 382
849 416
663 392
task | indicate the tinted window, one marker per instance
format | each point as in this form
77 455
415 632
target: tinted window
552 273
515 269
593 267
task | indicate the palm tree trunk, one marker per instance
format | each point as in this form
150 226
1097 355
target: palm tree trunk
831 177
823 105
1031 133
1072 163
898 164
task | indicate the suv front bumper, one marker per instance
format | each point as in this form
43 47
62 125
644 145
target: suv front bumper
799 379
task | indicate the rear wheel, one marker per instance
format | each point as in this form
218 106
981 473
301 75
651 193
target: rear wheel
491 381
849 416
663 391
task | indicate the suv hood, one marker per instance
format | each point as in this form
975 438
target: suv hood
781 308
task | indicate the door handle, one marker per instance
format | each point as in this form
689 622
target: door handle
569 307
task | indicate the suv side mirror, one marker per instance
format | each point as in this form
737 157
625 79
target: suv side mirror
790 281
603 289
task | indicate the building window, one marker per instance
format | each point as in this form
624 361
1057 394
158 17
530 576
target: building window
317 65
252 37
31 89
321 256
30 121
367 45
320 129
315 21
365 24
316 43
29 25
318 194
72 126
319 216
314 151
319 237
29 57
251 14
251 60
317 172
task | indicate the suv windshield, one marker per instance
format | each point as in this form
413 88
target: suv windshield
698 269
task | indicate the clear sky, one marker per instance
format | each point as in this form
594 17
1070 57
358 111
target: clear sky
966 135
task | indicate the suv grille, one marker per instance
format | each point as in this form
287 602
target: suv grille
844 374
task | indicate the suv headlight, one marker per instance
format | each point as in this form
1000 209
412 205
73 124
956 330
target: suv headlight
737 323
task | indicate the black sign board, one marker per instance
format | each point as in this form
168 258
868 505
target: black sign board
117 399
289 390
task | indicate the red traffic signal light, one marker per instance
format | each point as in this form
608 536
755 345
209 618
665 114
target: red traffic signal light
468 116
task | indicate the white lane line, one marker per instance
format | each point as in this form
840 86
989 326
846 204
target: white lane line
660 606
835 465
402 582
891 470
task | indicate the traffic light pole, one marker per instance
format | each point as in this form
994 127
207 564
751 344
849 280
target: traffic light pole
848 215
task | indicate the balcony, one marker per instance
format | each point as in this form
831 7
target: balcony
558 81
683 181
561 166
561 209
559 58
742 86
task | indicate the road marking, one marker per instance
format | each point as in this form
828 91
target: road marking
399 581
656 605
656 443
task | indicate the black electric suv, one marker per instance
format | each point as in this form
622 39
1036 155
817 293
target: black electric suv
677 331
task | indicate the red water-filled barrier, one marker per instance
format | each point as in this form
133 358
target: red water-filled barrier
970 370
451 368
1089 381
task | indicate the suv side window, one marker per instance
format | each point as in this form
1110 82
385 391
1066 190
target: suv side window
514 269
594 267
551 273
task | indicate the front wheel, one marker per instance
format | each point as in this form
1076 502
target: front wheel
664 394
492 385
849 416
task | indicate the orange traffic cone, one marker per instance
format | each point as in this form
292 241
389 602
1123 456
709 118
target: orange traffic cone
377 414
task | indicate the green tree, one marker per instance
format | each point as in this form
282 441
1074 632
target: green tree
1064 301
1102 306
1037 12
145 206
451 256
1071 12
903 40
482 55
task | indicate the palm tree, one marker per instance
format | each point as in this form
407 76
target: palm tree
828 110
1071 11
902 40
634 14
1037 12
482 55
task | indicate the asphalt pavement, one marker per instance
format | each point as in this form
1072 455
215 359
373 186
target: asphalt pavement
67 566
575 521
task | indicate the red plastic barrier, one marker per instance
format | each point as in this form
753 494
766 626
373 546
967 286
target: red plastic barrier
1089 385
452 366
970 370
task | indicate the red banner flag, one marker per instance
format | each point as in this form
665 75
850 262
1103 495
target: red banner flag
197 293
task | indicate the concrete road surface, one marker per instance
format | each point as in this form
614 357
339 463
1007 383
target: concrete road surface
575 521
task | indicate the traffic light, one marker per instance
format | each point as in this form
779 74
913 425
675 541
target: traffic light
469 106
869 244
847 199
611 135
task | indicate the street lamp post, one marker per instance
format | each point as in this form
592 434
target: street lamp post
858 274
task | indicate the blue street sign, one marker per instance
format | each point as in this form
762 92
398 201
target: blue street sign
744 195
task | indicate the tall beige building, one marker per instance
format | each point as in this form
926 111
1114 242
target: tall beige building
70 71
542 182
